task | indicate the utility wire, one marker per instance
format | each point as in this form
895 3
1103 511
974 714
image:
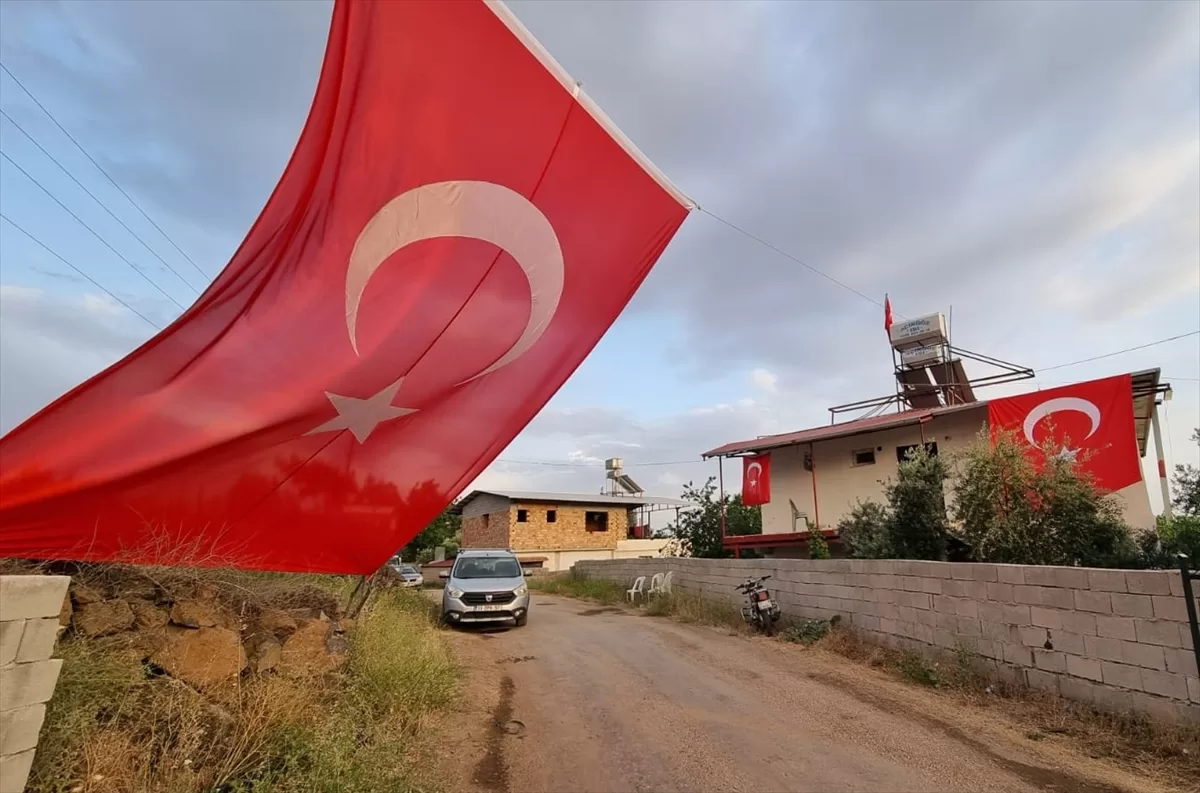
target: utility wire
787 255
1120 352
596 464
91 195
91 280
79 146
136 269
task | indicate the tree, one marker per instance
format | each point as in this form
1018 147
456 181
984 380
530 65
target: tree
445 529
1041 509
917 525
1186 484
699 525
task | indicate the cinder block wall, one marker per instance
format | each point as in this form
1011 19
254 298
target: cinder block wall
1118 639
486 531
29 611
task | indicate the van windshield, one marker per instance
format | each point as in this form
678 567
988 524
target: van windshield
487 567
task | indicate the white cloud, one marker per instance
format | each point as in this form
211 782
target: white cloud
764 380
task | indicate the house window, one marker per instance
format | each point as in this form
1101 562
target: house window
902 452
595 521
522 516
864 457
552 516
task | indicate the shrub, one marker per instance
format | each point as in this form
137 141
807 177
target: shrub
865 531
1042 510
917 525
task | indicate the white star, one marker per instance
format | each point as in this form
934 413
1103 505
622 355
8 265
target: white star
1069 455
362 416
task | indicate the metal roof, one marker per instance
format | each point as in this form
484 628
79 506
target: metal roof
842 430
1146 388
572 498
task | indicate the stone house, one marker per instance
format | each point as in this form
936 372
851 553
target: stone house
555 530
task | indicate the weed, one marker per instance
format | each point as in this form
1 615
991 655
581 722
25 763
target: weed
576 585
915 669
805 631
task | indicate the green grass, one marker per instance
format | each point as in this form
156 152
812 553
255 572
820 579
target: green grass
573 584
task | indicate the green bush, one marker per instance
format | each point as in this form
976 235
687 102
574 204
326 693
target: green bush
866 531
917 525
1044 510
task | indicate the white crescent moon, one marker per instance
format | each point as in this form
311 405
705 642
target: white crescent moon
478 210
1060 404
757 469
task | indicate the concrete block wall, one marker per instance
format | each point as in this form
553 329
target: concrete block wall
29 625
1118 639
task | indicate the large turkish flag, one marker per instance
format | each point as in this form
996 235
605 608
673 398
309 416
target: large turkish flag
1091 422
456 229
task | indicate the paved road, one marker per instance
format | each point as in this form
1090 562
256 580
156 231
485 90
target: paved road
598 699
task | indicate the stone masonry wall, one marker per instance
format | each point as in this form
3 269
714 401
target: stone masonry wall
486 531
1118 639
568 532
29 625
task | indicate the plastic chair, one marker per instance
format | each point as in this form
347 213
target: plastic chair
638 588
656 584
666 582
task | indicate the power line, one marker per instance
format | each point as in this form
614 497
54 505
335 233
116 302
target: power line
67 209
91 195
91 280
79 146
596 464
1120 352
787 255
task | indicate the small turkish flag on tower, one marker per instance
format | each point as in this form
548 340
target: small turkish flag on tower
887 314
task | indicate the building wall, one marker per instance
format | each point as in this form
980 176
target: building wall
557 561
840 483
486 531
1117 639
29 626
568 532
484 504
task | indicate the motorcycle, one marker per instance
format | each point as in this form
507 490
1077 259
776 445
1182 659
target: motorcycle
760 609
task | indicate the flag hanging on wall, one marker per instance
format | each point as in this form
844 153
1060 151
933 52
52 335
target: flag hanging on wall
456 229
756 480
1090 422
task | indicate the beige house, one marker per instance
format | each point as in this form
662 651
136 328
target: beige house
555 530
817 475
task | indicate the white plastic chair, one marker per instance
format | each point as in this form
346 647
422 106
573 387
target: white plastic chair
638 588
666 582
656 584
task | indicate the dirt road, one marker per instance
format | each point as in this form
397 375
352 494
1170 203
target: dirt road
599 699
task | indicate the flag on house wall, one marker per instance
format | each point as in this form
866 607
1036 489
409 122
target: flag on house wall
1091 422
756 480
456 229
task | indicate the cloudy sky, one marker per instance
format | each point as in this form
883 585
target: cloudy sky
1034 165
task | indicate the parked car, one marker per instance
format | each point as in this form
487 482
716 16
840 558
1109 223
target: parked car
409 574
485 586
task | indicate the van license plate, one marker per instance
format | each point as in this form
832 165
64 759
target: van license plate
490 607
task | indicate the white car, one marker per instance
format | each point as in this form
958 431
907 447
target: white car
409 575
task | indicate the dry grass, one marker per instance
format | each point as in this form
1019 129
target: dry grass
576 585
114 726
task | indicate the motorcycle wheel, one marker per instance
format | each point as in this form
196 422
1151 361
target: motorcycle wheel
767 624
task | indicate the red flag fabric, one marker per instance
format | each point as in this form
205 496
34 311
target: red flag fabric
756 480
1091 422
456 229
887 314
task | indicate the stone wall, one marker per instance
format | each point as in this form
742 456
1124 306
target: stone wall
568 531
29 624
1118 639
